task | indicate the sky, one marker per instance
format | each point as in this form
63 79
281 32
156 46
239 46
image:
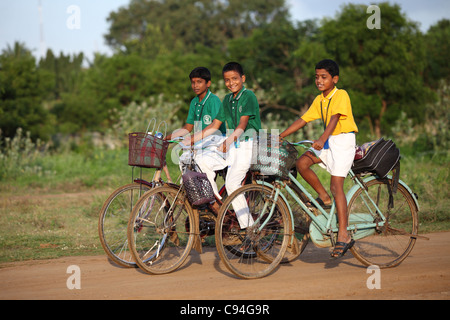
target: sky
74 26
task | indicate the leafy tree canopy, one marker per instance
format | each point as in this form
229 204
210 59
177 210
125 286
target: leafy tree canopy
382 68
151 27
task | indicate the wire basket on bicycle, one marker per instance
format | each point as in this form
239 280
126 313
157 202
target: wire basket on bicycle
273 158
147 150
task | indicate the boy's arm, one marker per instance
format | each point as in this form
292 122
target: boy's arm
297 125
243 121
209 130
187 128
318 144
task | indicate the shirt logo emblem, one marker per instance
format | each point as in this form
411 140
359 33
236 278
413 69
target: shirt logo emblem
207 119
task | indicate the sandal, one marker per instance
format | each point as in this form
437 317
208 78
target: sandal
341 248
320 202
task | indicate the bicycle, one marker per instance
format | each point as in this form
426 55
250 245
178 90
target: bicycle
145 151
383 223
163 226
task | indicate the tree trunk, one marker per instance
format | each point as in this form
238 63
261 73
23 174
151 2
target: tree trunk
378 121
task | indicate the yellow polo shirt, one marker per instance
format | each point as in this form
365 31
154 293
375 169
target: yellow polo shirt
336 102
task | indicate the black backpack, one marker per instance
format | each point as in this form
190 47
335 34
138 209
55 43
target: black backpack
379 157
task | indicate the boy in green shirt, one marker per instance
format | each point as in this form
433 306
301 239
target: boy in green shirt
241 113
202 111
203 108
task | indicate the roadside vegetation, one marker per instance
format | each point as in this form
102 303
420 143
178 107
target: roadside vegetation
64 120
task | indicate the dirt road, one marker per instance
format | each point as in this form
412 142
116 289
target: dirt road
425 274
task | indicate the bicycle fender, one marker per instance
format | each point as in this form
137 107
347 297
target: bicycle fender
352 191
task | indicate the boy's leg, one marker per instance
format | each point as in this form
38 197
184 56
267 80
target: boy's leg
304 164
209 162
240 160
337 189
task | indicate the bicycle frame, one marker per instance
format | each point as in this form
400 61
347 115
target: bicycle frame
325 222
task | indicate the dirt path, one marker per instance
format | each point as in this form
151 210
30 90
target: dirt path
425 274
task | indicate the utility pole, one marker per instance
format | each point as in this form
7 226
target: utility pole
41 30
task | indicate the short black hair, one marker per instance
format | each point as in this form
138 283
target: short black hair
200 72
233 66
329 65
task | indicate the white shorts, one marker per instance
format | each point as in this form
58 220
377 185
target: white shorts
338 159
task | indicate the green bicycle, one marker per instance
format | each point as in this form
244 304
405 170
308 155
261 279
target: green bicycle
383 223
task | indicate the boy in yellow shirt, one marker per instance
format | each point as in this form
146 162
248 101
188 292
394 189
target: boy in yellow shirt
334 150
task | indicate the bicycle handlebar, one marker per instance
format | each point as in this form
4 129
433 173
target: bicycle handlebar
303 141
191 147
178 140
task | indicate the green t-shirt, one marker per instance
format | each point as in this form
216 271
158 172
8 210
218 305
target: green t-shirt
244 104
205 111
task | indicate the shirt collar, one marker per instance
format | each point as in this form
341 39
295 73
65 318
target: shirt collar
331 94
202 103
238 96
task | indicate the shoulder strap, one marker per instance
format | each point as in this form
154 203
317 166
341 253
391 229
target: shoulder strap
395 176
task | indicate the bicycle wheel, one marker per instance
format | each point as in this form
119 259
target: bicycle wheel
388 245
160 230
113 220
256 251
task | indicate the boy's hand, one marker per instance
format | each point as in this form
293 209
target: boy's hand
223 147
187 141
318 145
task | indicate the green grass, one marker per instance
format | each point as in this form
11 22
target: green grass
53 211
49 204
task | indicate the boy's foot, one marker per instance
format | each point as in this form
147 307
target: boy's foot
214 208
341 248
320 202
232 239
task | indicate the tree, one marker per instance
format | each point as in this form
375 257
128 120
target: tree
381 68
67 70
22 88
438 53
186 23
280 59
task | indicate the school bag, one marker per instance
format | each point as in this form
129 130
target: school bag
379 157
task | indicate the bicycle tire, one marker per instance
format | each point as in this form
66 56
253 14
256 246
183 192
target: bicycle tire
160 236
113 221
387 246
257 253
